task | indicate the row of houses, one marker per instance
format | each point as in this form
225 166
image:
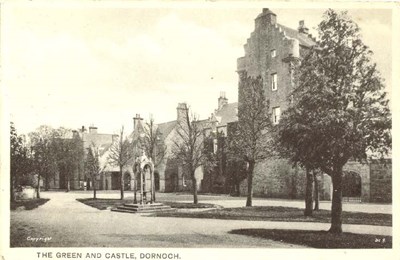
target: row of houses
270 52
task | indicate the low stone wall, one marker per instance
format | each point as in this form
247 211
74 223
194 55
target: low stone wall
25 193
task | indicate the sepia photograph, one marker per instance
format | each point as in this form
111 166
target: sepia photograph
135 130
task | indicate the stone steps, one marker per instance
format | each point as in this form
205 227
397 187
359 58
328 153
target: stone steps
147 208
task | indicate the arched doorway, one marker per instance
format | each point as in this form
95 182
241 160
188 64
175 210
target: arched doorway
351 186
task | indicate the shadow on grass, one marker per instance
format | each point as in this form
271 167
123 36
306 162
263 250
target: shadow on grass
319 239
284 214
27 204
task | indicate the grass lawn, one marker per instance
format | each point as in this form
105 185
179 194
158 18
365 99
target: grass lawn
319 239
28 204
103 204
283 214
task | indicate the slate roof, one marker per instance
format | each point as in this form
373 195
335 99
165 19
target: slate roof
166 128
303 39
97 139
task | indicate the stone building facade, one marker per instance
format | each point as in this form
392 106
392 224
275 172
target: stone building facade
270 52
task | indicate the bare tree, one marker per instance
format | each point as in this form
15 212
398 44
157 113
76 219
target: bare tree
153 146
121 155
251 141
188 147
93 167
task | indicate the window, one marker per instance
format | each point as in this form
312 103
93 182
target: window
273 53
215 145
276 115
274 81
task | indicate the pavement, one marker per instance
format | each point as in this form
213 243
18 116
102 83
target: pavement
69 223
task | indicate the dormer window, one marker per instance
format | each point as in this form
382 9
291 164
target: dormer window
273 53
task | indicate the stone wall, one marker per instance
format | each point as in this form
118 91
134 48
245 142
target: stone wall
381 181
277 178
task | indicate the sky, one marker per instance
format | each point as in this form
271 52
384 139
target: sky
100 66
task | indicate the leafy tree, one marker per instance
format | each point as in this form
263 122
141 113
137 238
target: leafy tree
92 166
340 110
44 160
68 153
20 160
251 142
121 155
188 147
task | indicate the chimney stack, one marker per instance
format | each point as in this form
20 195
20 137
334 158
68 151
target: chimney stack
222 100
302 27
266 18
136 121
181 111
92 130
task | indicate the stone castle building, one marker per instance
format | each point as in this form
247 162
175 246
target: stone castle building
270 52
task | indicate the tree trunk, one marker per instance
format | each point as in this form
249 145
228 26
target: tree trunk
237 185
151 185
46 185
154 191
316 191
336 212
194 187
309 189
122 183
68 184
249 201
12 188
38 187
134 188
94 187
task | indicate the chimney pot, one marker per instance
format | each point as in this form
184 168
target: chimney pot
302 27
222 100
136 120
92 129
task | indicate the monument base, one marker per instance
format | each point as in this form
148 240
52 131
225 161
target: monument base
142 208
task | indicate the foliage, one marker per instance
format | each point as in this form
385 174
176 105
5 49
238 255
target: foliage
340 111
68 153
44 157
20 160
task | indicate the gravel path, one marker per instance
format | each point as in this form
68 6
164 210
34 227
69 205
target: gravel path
66 222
